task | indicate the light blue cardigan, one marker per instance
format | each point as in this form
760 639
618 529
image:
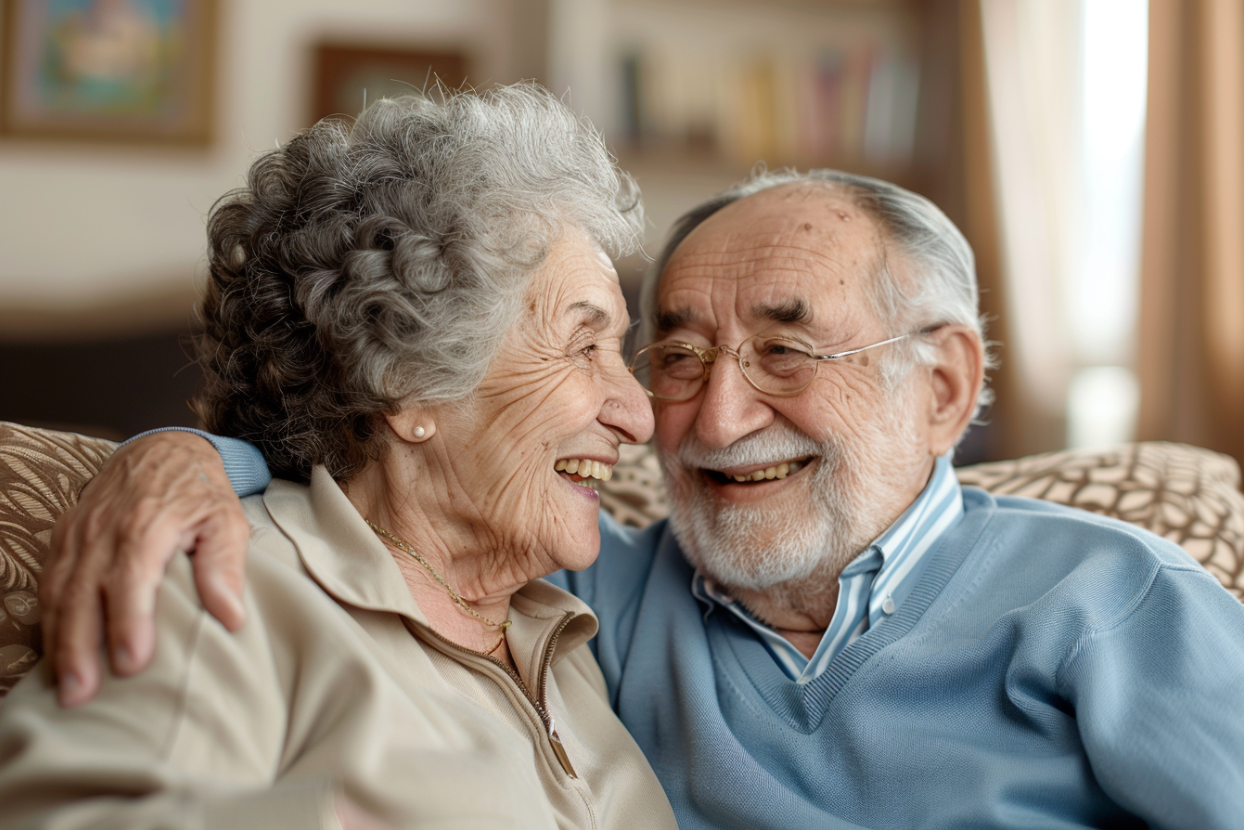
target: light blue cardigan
1050 669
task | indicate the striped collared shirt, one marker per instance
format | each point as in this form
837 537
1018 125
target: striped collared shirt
872 587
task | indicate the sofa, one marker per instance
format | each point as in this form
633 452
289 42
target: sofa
1186 494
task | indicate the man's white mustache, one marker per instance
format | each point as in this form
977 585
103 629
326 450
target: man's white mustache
770 446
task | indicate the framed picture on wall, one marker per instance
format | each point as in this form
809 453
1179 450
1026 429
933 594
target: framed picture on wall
346 74
108 70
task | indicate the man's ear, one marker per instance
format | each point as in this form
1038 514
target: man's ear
956 380
412 424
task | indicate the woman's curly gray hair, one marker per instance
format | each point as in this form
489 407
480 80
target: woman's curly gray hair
369 265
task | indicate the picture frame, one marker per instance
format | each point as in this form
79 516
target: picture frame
347 74
128 71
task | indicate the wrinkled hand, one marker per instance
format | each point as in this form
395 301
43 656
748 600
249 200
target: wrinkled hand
162 493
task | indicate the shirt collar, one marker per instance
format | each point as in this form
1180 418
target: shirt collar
352 565
904 544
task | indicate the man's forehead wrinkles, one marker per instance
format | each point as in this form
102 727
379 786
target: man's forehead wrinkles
760 253
749 276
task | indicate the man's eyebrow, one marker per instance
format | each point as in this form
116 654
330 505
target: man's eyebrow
663 321
791 311
596 316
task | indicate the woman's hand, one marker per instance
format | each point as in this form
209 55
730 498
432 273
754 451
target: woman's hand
160 494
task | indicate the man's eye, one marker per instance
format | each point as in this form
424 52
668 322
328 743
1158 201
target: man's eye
587 351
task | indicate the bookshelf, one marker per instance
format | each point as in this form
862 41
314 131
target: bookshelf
832 84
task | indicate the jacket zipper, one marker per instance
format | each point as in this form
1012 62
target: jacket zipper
539 700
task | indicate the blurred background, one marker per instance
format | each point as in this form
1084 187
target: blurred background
1089 149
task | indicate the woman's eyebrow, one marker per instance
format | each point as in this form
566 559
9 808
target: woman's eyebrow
596 315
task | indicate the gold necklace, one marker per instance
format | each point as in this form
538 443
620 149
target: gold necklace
454 595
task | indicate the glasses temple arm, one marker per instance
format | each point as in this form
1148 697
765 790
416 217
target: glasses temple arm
921 332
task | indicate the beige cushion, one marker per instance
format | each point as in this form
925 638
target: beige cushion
1189 495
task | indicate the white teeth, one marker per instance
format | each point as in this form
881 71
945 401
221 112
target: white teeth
585 467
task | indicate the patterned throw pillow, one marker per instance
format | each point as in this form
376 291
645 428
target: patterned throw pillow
1188 495
41 472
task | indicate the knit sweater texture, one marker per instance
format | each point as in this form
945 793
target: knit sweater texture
1051 669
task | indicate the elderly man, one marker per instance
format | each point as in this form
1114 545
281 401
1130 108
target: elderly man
828 632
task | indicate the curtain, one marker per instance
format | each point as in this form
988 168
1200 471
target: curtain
1191 345
1007 421
1028 85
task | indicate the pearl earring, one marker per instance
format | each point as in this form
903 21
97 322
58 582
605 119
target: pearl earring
420 432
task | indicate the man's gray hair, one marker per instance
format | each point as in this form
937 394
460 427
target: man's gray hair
369 265
942 285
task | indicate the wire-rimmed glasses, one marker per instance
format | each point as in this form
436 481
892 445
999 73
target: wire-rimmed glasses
773 364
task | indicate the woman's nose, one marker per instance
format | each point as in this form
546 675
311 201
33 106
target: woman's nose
628 410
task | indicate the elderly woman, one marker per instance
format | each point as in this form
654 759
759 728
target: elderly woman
416 321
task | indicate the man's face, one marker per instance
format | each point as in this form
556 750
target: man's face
795 260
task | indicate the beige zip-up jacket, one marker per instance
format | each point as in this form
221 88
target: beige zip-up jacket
336 682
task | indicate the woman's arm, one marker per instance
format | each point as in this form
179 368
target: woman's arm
158 494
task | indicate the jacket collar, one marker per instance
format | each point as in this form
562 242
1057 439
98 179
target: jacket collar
353 566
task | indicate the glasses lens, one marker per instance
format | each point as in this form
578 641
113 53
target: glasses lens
777 365
670 373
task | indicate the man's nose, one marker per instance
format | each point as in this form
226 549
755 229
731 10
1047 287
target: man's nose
731 407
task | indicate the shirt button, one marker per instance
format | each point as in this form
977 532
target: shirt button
887 606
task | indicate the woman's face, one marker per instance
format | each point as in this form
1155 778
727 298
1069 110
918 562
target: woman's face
558 397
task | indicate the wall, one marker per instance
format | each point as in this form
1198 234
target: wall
82 225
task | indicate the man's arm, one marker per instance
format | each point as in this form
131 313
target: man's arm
160 493
1159 699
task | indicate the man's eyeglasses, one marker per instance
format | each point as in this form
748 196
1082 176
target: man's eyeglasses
774 365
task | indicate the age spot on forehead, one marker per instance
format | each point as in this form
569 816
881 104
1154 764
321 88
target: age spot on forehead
807 226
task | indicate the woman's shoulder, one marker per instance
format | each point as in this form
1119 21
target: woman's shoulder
267 541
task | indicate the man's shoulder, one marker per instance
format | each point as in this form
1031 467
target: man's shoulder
626 558
1046 522
1051 553
638 545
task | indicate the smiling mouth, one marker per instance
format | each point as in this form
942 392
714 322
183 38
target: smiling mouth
584 471
772 472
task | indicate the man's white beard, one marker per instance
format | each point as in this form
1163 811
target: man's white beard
800 542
